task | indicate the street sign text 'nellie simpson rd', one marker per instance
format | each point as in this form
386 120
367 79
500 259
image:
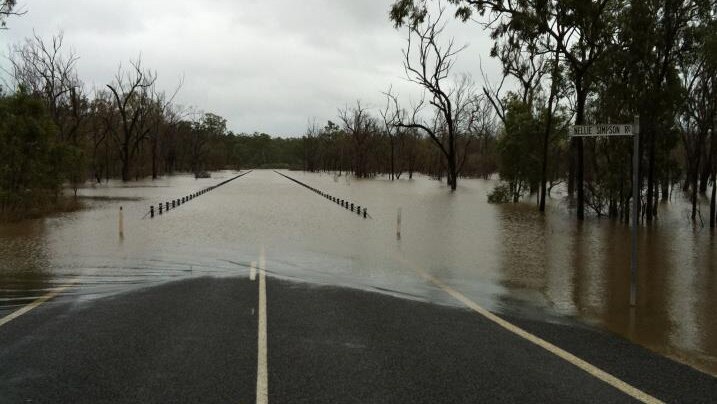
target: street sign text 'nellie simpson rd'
602 130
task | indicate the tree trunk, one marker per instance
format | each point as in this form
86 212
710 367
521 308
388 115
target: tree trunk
650 175
666 185
546 136
580 120
452 175
154 158
452 167
712 202
107 162
695 175
571 171
125 163
713 169
705 175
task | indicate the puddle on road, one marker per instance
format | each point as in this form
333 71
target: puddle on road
508 258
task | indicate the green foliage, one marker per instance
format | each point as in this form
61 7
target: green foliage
29 157
519 161
73 165
500 194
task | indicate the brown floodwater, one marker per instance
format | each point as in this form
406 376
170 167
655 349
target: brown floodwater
508 258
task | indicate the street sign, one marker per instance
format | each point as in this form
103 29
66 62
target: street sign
607 129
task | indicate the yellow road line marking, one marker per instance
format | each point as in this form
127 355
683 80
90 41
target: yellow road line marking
262 372
574 360
19 312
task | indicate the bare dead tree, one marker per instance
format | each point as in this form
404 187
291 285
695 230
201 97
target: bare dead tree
410 141
392 115
104 120
45 69
430 69
360 126
493 94
699 80
131 91
173 116
160 120
310 140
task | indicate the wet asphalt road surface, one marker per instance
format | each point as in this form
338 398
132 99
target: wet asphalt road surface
195 340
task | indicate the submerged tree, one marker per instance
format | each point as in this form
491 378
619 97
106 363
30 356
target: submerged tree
428 63
29 154
362 128
131 91
581 32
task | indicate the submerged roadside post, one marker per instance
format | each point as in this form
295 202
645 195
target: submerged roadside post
121 223
398 224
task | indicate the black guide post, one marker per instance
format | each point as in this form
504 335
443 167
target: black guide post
344 203
151 211
160 208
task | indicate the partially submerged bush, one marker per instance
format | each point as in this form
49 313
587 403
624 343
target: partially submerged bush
500 194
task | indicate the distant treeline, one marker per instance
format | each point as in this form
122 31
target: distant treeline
54 133
362 146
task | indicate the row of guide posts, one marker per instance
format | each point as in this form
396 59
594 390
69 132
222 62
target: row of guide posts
344 203
175 203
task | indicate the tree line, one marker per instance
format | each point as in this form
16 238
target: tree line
54 132
569 63
602 61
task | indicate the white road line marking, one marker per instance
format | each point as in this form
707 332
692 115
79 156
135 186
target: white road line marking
252 271
19 312
262 372
574 360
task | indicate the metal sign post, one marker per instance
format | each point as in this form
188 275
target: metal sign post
623 130
635 209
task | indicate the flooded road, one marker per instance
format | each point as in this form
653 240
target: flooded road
508 258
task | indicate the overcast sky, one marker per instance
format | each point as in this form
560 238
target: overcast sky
265 65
